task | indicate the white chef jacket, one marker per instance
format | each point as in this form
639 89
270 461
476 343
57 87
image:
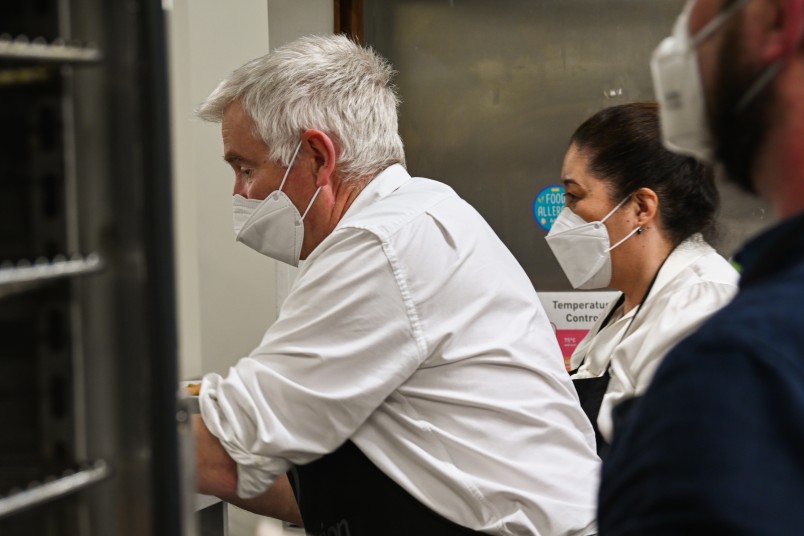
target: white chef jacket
413 331
694 282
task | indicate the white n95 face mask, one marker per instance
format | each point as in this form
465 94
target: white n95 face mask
679 89
582 248
271 226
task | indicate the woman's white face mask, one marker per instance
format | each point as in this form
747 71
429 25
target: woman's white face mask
271 226
582 248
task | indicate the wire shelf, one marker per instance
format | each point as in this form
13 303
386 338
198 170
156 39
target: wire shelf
53 487
38 49
25 275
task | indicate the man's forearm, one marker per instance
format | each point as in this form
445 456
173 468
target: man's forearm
216 474
278 502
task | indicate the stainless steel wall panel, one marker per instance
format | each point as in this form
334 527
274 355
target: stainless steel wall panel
492 90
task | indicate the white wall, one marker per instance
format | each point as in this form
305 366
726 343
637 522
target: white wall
226 294
289 19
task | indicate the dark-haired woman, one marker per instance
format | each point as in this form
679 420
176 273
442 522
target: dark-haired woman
633 221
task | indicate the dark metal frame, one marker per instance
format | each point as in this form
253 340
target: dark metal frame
349 18
115 191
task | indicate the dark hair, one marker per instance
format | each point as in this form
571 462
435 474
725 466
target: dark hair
625 150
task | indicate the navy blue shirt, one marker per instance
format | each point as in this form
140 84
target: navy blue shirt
716 444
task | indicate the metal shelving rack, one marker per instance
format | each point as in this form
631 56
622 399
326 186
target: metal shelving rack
42 479
24 275
38 49
87 341
53 487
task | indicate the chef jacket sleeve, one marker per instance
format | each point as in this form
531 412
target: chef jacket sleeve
347 336
671 318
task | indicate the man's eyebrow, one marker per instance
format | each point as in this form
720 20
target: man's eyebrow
233 157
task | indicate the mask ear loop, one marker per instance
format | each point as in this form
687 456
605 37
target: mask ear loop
621 203
287 171
629 235
713 25
760 84
311 203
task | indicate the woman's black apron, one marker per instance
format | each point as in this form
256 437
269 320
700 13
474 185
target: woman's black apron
345 494
591 390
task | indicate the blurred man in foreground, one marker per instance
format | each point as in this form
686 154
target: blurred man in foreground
716 445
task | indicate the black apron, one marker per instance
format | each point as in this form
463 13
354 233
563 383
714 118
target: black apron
591 390
345 494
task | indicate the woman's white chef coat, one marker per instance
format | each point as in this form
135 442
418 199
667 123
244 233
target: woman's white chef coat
694 282
413 331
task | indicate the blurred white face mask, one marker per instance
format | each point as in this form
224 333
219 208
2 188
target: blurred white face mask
679 89
582 248
271 226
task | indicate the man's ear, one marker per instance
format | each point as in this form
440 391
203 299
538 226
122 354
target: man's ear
647 206
783 33
322 149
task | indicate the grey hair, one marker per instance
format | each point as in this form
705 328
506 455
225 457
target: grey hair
328 83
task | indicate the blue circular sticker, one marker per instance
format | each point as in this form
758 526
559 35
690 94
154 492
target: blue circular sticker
547 205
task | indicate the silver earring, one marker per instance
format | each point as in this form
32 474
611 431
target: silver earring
640 230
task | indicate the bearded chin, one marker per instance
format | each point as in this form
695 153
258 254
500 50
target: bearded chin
738 134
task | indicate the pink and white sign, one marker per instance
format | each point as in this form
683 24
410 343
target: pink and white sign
572 314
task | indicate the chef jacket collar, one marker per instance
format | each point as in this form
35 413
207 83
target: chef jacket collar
380 186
